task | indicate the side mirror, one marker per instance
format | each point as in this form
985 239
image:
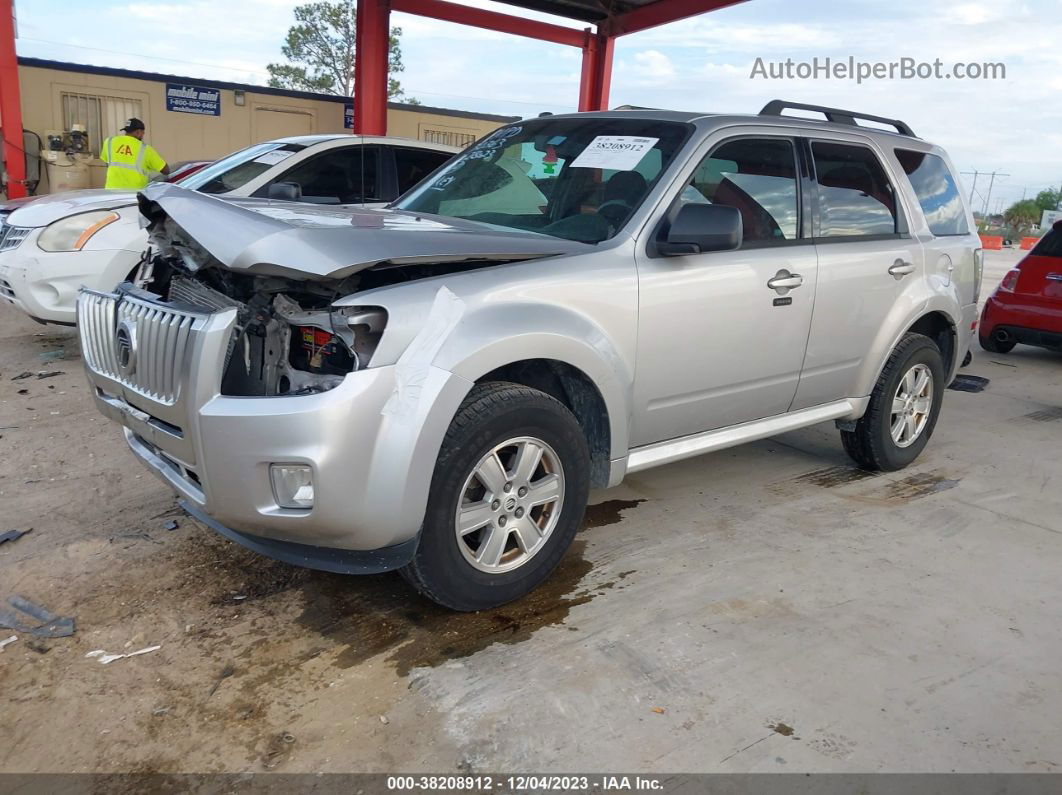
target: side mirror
285 191
698 228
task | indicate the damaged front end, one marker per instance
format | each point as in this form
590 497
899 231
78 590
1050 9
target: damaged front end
288 338
283 266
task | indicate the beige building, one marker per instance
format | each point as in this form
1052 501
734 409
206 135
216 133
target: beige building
194 119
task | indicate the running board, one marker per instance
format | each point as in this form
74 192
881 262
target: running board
653 455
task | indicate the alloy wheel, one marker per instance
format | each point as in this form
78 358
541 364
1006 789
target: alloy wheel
509 505
911 406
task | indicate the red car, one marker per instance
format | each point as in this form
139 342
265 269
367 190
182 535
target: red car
1027 305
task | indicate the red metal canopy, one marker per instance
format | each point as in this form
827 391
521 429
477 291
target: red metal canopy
617 19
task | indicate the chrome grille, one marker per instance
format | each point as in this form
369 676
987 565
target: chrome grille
11 237
163 338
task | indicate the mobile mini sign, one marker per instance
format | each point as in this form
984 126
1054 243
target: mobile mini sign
193 99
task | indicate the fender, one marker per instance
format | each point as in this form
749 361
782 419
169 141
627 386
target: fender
496 335
900 319
479 339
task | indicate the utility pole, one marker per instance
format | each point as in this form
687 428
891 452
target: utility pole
973 188
988 197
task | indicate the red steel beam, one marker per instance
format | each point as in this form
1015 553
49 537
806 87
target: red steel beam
11 104
491 20
596 76
662 12
372 40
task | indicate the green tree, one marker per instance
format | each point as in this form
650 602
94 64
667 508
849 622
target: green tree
1048 199
320 48
1022 215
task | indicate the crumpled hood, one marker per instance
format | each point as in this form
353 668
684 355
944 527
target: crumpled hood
302 240
44 210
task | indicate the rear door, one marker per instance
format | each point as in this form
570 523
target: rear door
869 266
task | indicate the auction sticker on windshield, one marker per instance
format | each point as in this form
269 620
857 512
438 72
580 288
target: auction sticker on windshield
271 158
614 152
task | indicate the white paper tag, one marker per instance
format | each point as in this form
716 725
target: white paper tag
614 152
274 157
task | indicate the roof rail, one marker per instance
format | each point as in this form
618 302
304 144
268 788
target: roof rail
835 115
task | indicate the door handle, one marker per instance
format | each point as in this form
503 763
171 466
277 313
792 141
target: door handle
900 268
784 281
1054 277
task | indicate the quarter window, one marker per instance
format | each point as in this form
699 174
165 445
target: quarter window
758 177
855 197
936 191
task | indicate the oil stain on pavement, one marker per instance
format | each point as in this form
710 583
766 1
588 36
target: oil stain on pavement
369 616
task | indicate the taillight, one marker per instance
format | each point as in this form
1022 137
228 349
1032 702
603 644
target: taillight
1010 281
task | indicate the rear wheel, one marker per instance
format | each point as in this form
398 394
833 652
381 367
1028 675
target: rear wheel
507 496
903 409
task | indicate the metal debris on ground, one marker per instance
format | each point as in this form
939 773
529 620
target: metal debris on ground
22 375
50 626
106 658
14 535
6 641
170 525
969 383
53 355
226 672
49 374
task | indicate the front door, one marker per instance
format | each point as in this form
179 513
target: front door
721 335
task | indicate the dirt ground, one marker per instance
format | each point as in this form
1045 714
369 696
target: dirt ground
764 608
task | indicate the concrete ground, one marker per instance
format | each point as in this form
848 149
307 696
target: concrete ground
766 608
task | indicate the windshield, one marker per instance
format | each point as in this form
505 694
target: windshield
575 178
239 168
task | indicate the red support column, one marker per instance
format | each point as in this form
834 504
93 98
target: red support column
11 104
372 38
597 71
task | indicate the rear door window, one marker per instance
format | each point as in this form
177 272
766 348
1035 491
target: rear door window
856 198
759 178
415 164
937 192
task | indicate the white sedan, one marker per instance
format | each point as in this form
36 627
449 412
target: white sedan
52 245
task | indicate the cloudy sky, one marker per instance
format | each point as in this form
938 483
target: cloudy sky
1012 125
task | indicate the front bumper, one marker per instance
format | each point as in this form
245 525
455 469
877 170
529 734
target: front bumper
45 284
371 470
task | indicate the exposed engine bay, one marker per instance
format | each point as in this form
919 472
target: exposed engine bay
289 339
283 266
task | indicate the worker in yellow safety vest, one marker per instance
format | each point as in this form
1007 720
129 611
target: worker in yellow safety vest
129 160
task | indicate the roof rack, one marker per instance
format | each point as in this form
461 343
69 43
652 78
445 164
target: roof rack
835 115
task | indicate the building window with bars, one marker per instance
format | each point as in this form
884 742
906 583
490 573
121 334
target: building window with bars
102 116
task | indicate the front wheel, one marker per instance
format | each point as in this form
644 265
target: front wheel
507 497
903 409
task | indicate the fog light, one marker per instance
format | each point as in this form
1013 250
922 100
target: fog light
292 485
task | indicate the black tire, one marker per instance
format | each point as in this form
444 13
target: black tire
491 414
992 345
871 444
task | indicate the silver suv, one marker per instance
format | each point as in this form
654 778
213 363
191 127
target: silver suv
435 387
